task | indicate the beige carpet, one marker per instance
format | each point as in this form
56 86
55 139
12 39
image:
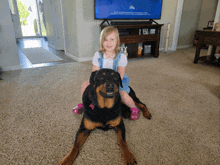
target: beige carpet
40 55
37 125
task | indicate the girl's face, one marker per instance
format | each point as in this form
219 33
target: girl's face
110 43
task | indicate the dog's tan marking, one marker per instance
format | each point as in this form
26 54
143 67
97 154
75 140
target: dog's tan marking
109 102
146 113
100 99
71 156
126 154
89 125
105 102
116 89
115 122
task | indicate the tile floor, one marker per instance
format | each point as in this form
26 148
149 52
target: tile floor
39 42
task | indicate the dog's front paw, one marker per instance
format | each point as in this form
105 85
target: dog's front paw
66 161
147 114
129 158
131 161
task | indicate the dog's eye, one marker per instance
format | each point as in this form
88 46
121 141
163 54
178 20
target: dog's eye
100 78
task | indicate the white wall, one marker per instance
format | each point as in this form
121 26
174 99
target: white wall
189 22
9 59
16 20
168 15
195 16
88 30
54 24
217 19
81 30
208 11
70 28
217 14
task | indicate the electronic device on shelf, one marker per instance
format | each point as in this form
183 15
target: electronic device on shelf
128 10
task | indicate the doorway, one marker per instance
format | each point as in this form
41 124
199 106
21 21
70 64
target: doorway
28 18
31 14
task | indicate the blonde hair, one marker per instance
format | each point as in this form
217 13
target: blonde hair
104 33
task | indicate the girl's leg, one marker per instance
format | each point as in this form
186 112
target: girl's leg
127 100
79 108
84 86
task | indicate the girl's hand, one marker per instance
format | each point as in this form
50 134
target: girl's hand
95 68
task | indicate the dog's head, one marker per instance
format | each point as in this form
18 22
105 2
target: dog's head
106 82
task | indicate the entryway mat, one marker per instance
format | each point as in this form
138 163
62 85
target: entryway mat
40 55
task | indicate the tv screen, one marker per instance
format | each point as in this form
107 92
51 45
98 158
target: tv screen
128 9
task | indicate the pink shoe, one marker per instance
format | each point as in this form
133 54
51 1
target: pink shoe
78 109
134 113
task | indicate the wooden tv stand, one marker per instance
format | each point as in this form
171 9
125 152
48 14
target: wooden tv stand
132 35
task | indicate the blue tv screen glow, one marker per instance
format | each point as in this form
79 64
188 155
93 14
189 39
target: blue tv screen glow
128 9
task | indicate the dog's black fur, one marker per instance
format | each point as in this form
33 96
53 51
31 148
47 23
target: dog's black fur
99 114
103 93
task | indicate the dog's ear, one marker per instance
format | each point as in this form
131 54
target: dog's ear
120 80
92 78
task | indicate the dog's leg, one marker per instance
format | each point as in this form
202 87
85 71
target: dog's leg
128 157
81 137
141 105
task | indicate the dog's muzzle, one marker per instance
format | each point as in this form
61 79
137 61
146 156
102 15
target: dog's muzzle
109 91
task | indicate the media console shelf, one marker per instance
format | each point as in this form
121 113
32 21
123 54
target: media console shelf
132 35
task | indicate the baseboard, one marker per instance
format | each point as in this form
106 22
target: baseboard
8 68
52 46
184 46
71 56
162 49
179 47
77 58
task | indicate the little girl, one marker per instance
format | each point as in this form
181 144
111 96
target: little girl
109 56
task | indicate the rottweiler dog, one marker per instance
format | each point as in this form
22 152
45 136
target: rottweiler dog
107 113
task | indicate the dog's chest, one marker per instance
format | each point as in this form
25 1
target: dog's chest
105 103
90 125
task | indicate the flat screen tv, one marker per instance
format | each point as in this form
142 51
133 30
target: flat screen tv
128 9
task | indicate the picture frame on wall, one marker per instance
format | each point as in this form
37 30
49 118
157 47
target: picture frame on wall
210 24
